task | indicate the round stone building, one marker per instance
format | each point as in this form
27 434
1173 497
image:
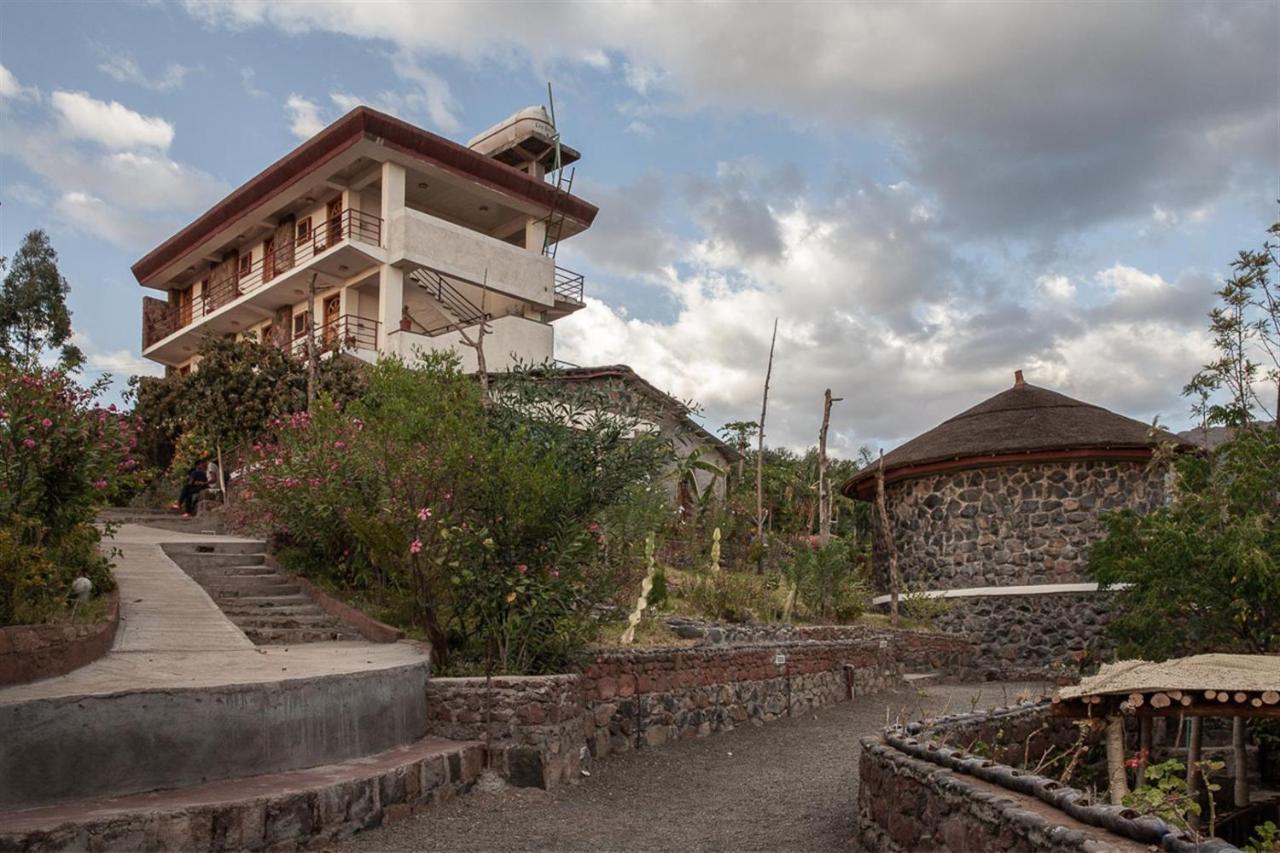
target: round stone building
996 509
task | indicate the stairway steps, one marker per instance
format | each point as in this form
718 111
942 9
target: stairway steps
293 636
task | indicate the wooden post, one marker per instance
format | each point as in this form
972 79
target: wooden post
824 481
891 547
1118 784
1144 750
764 406
311 343
1239 762
1193 765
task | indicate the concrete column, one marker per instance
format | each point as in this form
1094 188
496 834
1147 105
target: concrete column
393 180
390 308
535 232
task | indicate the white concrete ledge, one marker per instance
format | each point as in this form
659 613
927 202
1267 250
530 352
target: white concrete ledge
994 591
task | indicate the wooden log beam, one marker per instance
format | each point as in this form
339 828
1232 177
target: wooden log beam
1239 763
1118 784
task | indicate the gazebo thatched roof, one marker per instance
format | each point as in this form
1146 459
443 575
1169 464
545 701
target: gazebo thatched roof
1023 421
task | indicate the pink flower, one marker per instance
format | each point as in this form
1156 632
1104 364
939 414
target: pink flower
28 443
99 484
357 423
555 573
522 568
424 513
111 408
339 445
415 546
46 423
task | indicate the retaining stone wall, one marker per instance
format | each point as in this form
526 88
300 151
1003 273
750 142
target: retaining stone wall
31 652
949 654
1026 637
1007 525
536 723
542 727
920 789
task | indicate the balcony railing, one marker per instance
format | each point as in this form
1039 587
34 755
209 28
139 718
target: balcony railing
568 285
159 320
344 334
347 225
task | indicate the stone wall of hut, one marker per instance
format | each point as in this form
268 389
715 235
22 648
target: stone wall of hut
1008 525
1014 525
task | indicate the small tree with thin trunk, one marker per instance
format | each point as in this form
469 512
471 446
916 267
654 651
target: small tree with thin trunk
764 407
33 306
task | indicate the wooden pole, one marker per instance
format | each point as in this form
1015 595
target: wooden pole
1118 784
824 479
1193 764
891 547
311 343
1239 762
764 406
1144 750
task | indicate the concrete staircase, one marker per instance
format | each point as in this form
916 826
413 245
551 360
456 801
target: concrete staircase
266 604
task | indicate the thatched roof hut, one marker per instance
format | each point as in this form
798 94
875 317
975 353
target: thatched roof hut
1025 423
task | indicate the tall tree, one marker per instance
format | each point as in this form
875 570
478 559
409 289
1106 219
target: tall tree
764 407
33 306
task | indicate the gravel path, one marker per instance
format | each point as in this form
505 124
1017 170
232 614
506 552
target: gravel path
789 785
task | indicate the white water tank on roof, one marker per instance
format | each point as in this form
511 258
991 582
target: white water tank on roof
526 136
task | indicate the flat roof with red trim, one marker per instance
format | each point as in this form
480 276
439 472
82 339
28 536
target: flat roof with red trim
361 123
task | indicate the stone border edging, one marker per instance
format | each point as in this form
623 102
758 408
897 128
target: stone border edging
32 652
913 741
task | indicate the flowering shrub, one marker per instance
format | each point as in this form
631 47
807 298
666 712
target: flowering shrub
474 524
61 456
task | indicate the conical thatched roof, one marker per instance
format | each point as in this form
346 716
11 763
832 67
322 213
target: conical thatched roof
1025 419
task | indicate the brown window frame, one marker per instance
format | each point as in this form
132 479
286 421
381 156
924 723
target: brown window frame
299 325
245 266
303 230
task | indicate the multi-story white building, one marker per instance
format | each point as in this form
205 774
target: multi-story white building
410 240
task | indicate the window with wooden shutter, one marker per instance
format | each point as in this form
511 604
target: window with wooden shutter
299 325
246 264
304 230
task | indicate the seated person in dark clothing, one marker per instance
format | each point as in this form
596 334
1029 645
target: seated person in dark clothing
197 482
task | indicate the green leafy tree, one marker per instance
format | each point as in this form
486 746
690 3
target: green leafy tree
33 306
1203 572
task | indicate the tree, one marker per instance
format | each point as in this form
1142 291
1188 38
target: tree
1203 572
1246 328
33 306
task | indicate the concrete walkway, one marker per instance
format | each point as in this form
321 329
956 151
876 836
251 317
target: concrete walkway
172 635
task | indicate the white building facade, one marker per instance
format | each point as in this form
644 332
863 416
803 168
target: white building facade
407 240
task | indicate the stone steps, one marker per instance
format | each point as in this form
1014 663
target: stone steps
270 607
287 810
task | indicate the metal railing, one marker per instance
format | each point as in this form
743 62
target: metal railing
568 286
343 334
464 311
347 225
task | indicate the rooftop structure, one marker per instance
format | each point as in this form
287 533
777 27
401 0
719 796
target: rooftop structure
409 240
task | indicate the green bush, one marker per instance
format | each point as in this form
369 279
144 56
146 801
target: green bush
478 517
736 597
828 582
61 456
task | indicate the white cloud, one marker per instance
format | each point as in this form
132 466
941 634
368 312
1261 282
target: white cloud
247 80
948 85
1057 287
122 66
303 116
112 125
92 215
874 306
121 363
11 89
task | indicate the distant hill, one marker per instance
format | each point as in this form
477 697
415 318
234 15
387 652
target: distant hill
1216 435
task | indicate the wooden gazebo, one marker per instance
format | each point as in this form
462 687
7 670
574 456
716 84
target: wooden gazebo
1214 685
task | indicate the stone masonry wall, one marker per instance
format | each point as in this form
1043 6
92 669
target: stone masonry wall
1031 636
1007 525
541 728
921 789
536 724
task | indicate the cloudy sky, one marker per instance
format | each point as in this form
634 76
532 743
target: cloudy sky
926 196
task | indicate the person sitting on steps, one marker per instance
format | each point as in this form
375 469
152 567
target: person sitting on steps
197 482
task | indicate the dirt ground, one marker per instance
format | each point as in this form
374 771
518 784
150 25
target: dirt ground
789 785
